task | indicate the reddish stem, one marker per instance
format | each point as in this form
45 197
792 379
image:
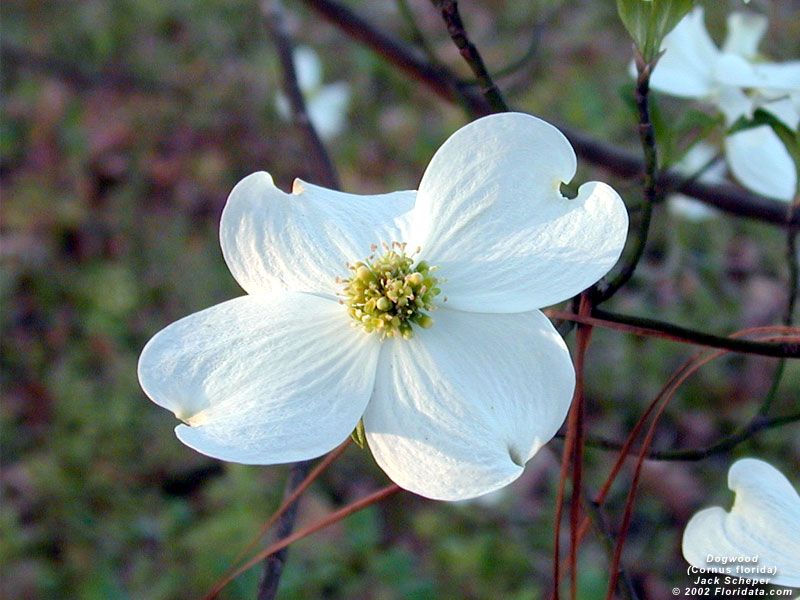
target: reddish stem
332 518
573 452
288 501
697 362
774 333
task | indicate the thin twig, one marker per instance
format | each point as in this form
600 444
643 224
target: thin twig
759 421
569 443
595 512
289 500
605 289
527 56
582 339
274 18
602 494
273 564
627 514
332 518
788 317
772 333
417 35
455 27
729 442
696 363
327 176
667 331
572 455
783 349
724 196
407 59
794 276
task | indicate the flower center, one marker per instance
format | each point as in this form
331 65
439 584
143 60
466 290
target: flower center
389 294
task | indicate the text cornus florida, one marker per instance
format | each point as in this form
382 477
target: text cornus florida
736 569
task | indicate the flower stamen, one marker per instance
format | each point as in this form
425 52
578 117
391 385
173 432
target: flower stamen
388 294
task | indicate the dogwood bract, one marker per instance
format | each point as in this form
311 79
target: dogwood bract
701 158
738 82
326 104
764 522
414 310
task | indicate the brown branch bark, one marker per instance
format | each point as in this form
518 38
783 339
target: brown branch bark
274 563
455 27
608 286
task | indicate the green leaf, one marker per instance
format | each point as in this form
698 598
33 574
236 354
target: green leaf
649 21
359 436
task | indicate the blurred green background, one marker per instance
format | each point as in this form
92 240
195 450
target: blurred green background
124 126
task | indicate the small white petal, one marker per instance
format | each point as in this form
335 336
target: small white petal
491 216
307 68
735 71
734 103
764 522
304 240
760 161
779 77
745 31
698 157
283 107
686 67
689 208
460 408
263 379
785 110
327 109
771 78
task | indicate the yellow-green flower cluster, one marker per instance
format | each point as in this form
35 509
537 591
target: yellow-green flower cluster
389 294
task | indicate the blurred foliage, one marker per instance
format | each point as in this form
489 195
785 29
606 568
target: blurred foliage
118 150
649 21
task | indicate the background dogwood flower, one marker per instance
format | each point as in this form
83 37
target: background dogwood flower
737 83
451 410
698 158
764 521
326 104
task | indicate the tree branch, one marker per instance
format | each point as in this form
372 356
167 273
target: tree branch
455 27
408 60
330 519
794 276
273 564
605 289
273 16
728 442
789 349
726 197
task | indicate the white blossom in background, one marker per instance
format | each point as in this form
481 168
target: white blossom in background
737 82
434 342
326 104
764 522
698 158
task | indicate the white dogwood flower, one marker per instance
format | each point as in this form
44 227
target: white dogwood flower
433 340
326 104
738 82
764 522
701 158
